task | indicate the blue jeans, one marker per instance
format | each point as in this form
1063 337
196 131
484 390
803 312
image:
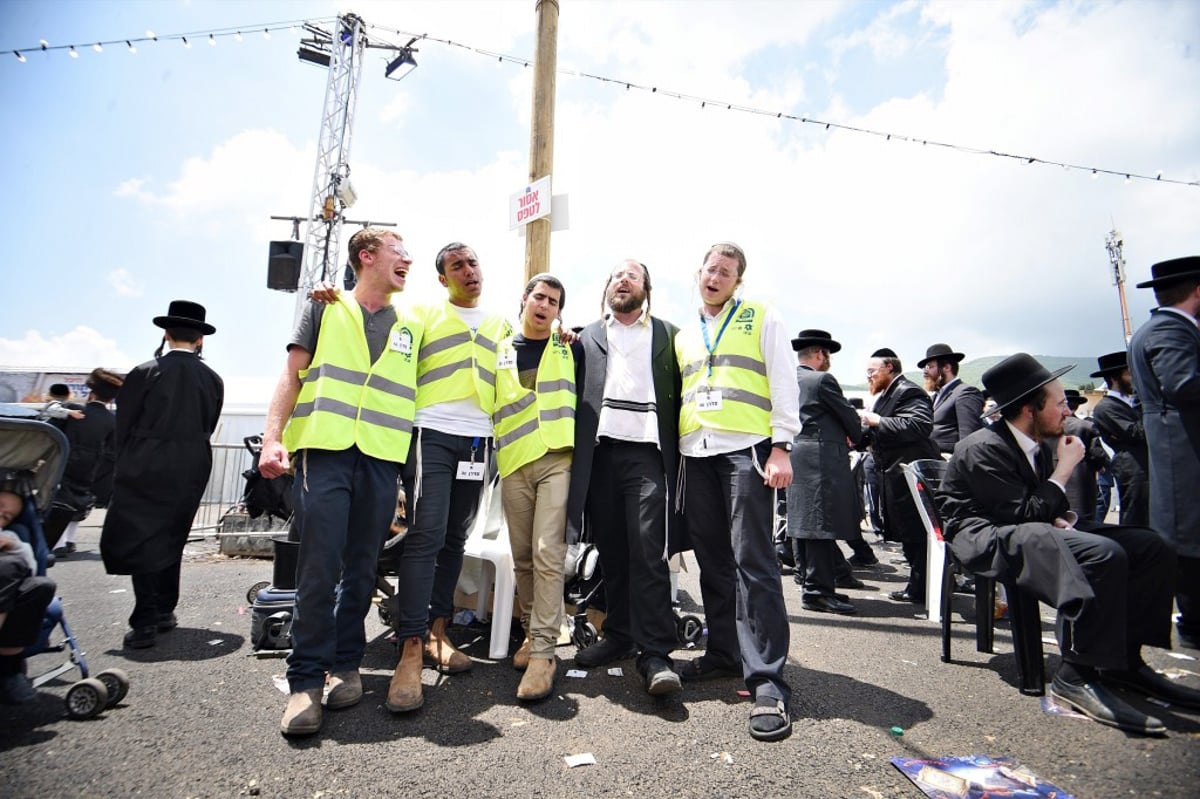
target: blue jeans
344 503
444 512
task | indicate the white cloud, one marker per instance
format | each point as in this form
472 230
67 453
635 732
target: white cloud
79 349
125 284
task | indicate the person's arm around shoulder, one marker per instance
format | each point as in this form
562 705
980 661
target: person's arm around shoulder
273 461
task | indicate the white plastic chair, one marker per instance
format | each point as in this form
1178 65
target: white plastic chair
935 557
488 543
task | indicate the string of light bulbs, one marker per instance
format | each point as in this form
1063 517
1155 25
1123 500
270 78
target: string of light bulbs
708 102
238 33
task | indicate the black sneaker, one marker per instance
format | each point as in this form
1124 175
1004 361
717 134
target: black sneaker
166 622
140 638
603 652
661 680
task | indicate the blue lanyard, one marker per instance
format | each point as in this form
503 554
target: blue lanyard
712 348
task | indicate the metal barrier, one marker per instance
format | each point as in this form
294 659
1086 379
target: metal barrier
225 488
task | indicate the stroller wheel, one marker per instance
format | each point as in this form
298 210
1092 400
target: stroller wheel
584 635
86 699
252 594
116 682
689 629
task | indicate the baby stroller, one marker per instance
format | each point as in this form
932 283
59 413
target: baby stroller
33 455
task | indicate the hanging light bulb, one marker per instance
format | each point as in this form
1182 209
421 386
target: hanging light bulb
20 56
238 36
150 35
43 43
129 44
97 47
1127 179
266 33
186 43
74 52
1095 174
212 42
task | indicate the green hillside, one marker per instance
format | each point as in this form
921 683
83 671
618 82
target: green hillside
971 371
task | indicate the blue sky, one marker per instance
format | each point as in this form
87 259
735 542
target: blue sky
134 179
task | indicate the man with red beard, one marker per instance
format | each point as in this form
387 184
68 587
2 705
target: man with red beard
900 423
957 407
1007 517
625 471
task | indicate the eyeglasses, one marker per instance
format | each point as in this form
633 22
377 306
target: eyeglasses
872 370
724 274
398 248
627 274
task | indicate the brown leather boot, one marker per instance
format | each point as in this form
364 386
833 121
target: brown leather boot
302 716
441 653
521 658
404 692
538 681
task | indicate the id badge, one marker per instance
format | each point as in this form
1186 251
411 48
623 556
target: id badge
470 470
708 400
506 360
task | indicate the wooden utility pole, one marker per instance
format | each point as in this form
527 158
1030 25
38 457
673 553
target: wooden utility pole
541 141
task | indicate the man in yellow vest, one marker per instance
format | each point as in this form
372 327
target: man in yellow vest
535 432
739 415
348 396
452 459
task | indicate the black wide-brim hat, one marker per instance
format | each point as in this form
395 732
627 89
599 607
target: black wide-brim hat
935 351
1165 272
1111 364
815 338
1015 378
186 314
1074 398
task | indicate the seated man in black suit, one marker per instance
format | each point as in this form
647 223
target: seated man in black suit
1007 516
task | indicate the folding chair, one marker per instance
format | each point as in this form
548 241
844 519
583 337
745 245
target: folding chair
488 542
924 477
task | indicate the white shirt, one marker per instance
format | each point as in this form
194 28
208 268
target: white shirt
780 360
628 411
1117 395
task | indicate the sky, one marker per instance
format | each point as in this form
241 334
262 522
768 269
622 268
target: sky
133 179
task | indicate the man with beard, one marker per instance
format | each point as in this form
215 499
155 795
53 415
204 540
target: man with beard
1118 417
1007 517
738 416
900 423
625 473
1164 359
957 407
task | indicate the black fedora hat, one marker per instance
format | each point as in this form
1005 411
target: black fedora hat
1111 364
1016 377
884 352
1074 398
1165 272
815 338
935 351
187 314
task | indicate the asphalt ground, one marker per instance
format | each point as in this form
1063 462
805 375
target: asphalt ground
202 715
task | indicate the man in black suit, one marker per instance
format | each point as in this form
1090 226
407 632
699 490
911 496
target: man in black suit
1118 417
1164 357
167 410
1006 516
957 407
900 423
822 504
1081 487
625 472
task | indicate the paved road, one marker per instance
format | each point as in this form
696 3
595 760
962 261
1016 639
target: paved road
202 716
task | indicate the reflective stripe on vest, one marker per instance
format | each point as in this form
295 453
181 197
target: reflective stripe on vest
531 423
345 400
452 364
738 372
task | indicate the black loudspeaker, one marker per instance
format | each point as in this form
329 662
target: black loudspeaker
283 265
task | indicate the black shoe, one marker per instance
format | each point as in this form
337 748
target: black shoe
603 652
660 679
827 604
907 596
61 553
849 581
1097 703
769 721
862 563
1149 682
702 669
140 638
166 623
965 586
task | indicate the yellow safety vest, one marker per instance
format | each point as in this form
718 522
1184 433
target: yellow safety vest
454 364
345 400
736 369
531 423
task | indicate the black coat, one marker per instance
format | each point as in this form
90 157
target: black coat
1120 425
957 415
91 441
1164 358
1081 486
591 372
902 436
823 501
166 413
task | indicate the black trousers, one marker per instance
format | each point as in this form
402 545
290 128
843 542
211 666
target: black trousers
729 513
904 524
155 594
24 598
819 564
1187 596
627 514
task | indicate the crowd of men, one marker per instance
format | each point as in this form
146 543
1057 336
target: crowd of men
649 439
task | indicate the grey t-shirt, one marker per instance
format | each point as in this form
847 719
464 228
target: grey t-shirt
376 326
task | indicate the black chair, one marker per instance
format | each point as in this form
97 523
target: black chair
924 477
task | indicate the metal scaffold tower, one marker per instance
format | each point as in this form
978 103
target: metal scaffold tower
1116 258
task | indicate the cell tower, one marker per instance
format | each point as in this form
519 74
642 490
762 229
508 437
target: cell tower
1115 244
